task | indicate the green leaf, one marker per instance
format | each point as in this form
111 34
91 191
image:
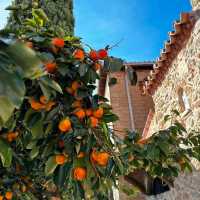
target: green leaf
34 152
12 87
5 154
61 174
110 118
83 68
25 58
50 166
51 84
6 109
37 129
113 64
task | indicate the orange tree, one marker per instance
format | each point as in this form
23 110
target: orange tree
55 139
54 133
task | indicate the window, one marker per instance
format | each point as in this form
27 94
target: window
184 102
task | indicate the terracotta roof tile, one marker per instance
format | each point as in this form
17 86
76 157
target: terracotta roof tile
177 40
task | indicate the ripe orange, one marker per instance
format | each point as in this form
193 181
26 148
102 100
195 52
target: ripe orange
94 122
102 53
102 158
79 54
64 125
43 99
70 90
49 105
98 113
36 105
75 85
88 112
77 104
51 67
93 55
80 173
1 197
97 66
9 195
60 159
81 155
58 42
94 156
80 113
11 136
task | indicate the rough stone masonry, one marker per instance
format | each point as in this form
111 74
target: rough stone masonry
181 90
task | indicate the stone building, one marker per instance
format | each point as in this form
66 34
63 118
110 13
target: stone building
172 82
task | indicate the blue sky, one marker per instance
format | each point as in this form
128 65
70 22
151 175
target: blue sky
142 24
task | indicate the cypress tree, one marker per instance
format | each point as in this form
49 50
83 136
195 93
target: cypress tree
59 12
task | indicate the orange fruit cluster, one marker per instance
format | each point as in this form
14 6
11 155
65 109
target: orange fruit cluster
74 87
98 55
11 136
101 158
94 115
42 104
79 173
8 196
65 125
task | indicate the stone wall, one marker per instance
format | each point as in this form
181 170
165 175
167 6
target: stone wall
182 78
181 90
186 187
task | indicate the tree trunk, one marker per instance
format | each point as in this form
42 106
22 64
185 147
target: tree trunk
59 12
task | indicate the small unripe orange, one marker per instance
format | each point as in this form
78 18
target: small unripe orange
80 173
98 113
94 122
80 113
64 125
60 159
9 195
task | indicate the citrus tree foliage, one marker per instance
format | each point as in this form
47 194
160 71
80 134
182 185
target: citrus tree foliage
59 12
55 138
165 155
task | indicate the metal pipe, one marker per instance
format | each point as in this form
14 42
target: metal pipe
130 107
